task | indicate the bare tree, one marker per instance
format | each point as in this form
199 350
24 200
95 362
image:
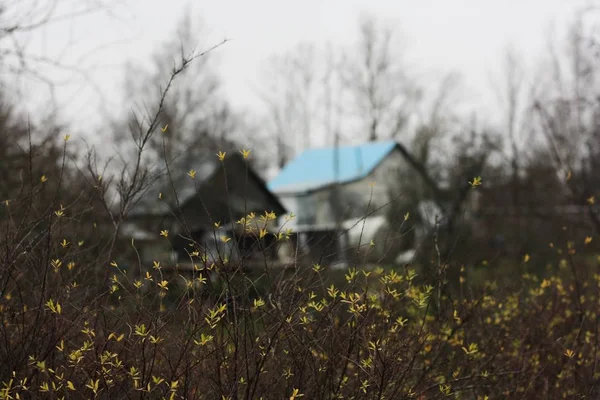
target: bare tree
435 120
22 22
568 113
26 152
375 75
514 100
289 89
195 114
567 105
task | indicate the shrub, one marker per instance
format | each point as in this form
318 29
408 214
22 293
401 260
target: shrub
77 324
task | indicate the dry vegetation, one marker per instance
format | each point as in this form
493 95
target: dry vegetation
464 322
384 333
76 325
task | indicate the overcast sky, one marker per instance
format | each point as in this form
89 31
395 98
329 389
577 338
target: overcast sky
463 35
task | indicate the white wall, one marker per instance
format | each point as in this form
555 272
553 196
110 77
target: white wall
355 196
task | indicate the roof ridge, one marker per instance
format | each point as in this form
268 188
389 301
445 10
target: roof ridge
314 168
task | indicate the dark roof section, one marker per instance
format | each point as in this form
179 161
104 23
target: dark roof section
176 179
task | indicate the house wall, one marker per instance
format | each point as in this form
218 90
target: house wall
301 206
385 177
317 207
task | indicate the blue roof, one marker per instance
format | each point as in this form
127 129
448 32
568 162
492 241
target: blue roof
314 168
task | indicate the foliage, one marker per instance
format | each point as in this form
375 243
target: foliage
383 333
78 322
75 323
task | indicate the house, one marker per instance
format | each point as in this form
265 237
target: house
199 200
342 198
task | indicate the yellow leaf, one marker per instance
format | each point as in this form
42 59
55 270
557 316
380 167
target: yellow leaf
569 353
164 233
472 349
70 385
295 394
115 337
588 240
155 339
165 128
456 317
476 181
545 283
526 258
67 137
245 153
54 307
591 200
93 385
43 178
221 155
192 173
